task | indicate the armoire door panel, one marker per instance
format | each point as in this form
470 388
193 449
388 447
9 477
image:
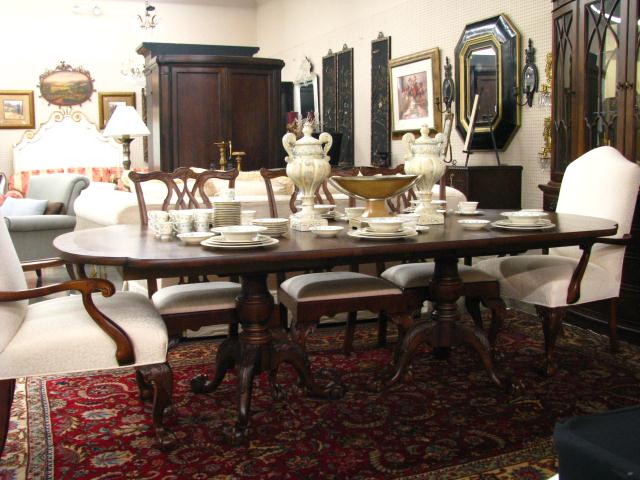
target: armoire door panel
197 102
251 96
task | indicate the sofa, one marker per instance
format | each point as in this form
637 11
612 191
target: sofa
33 235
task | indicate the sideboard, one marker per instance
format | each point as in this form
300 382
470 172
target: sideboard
493 186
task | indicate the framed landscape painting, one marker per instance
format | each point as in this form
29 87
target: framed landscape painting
415 90
108 101
16 109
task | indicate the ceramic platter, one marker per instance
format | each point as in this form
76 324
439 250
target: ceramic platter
382 236
507 225
262 242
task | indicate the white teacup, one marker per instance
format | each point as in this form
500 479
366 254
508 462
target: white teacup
163 230
201 226
183 227
354 212
246 217
467 207
181 216
156 216
410 219
202 215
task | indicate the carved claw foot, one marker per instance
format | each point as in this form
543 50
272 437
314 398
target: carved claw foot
166 439
278 393
332 388
548 368
235 435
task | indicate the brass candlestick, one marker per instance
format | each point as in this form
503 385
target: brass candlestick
222 147
238 156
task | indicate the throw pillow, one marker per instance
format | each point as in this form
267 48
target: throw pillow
16 207
54 208
10 193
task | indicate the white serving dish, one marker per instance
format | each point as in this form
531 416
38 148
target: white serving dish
326 231
194 238
239 233
473 223
385 224
354 212
524 217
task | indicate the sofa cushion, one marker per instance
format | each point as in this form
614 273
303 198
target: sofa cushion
16 207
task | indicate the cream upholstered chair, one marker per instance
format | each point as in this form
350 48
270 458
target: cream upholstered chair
78 333
189 306
601 183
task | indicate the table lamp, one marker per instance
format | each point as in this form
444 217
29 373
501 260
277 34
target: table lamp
125 123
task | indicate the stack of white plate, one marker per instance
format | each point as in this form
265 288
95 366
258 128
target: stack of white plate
275 226
226 212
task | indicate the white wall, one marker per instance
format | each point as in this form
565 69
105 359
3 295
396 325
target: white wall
292 30
37 34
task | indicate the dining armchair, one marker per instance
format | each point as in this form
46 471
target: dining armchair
200 303
552 282
77 333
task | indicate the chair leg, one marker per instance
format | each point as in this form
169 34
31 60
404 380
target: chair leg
614 345
498 313
350 333
472 305
7 388
156 384
38 277
382 329
551 324
70 271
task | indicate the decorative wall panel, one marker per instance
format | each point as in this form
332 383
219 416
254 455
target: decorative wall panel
344 117
380 112
329 92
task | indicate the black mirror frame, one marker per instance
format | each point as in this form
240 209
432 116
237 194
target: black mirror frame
500 33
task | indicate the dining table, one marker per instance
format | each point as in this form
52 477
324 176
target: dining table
260 348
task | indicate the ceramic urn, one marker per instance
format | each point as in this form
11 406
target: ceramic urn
425 157
307 167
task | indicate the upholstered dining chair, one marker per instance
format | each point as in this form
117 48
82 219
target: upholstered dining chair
588 188
293 294
77 333
189 306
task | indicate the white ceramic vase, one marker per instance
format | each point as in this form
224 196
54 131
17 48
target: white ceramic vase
307 167
425 157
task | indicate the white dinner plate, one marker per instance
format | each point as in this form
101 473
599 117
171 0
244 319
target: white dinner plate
222 241
357 234
367 231
509 223
508 226
266 243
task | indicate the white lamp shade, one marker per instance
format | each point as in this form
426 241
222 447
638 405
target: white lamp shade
125 120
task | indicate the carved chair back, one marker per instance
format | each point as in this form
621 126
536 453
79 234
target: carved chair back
185 188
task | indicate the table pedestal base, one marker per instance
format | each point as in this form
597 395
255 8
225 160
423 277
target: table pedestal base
259 350
447 331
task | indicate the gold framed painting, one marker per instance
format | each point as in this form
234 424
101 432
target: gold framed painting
415 90
17 109
108 101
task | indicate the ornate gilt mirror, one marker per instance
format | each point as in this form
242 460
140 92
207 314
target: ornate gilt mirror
305 91
487 65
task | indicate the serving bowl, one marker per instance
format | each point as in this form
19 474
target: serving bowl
322 208
239 233
524 217
385 224
194 238
473 224
326 231
374 189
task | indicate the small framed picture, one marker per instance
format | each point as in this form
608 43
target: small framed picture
108 101
16 109
415 89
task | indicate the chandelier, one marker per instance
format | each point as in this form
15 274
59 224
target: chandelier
150 20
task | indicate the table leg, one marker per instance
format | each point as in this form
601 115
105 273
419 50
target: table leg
256 350
447 331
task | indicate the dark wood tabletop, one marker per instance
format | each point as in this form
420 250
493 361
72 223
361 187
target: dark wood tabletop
259 348
137 250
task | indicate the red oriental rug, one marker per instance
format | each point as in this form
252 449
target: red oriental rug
448 422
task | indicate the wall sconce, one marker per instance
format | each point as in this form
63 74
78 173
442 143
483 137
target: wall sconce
448 87
544 95
150 20
529 75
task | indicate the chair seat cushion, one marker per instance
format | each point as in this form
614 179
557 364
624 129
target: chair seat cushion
412 275
58 336
337 285
544 279
196 297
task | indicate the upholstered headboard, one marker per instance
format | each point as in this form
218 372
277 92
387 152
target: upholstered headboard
65 140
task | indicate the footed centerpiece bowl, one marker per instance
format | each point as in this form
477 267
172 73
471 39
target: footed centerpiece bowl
374 190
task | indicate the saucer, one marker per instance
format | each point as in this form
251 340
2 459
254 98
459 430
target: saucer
475 212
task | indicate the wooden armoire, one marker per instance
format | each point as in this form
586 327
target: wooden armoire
198 95
596 97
